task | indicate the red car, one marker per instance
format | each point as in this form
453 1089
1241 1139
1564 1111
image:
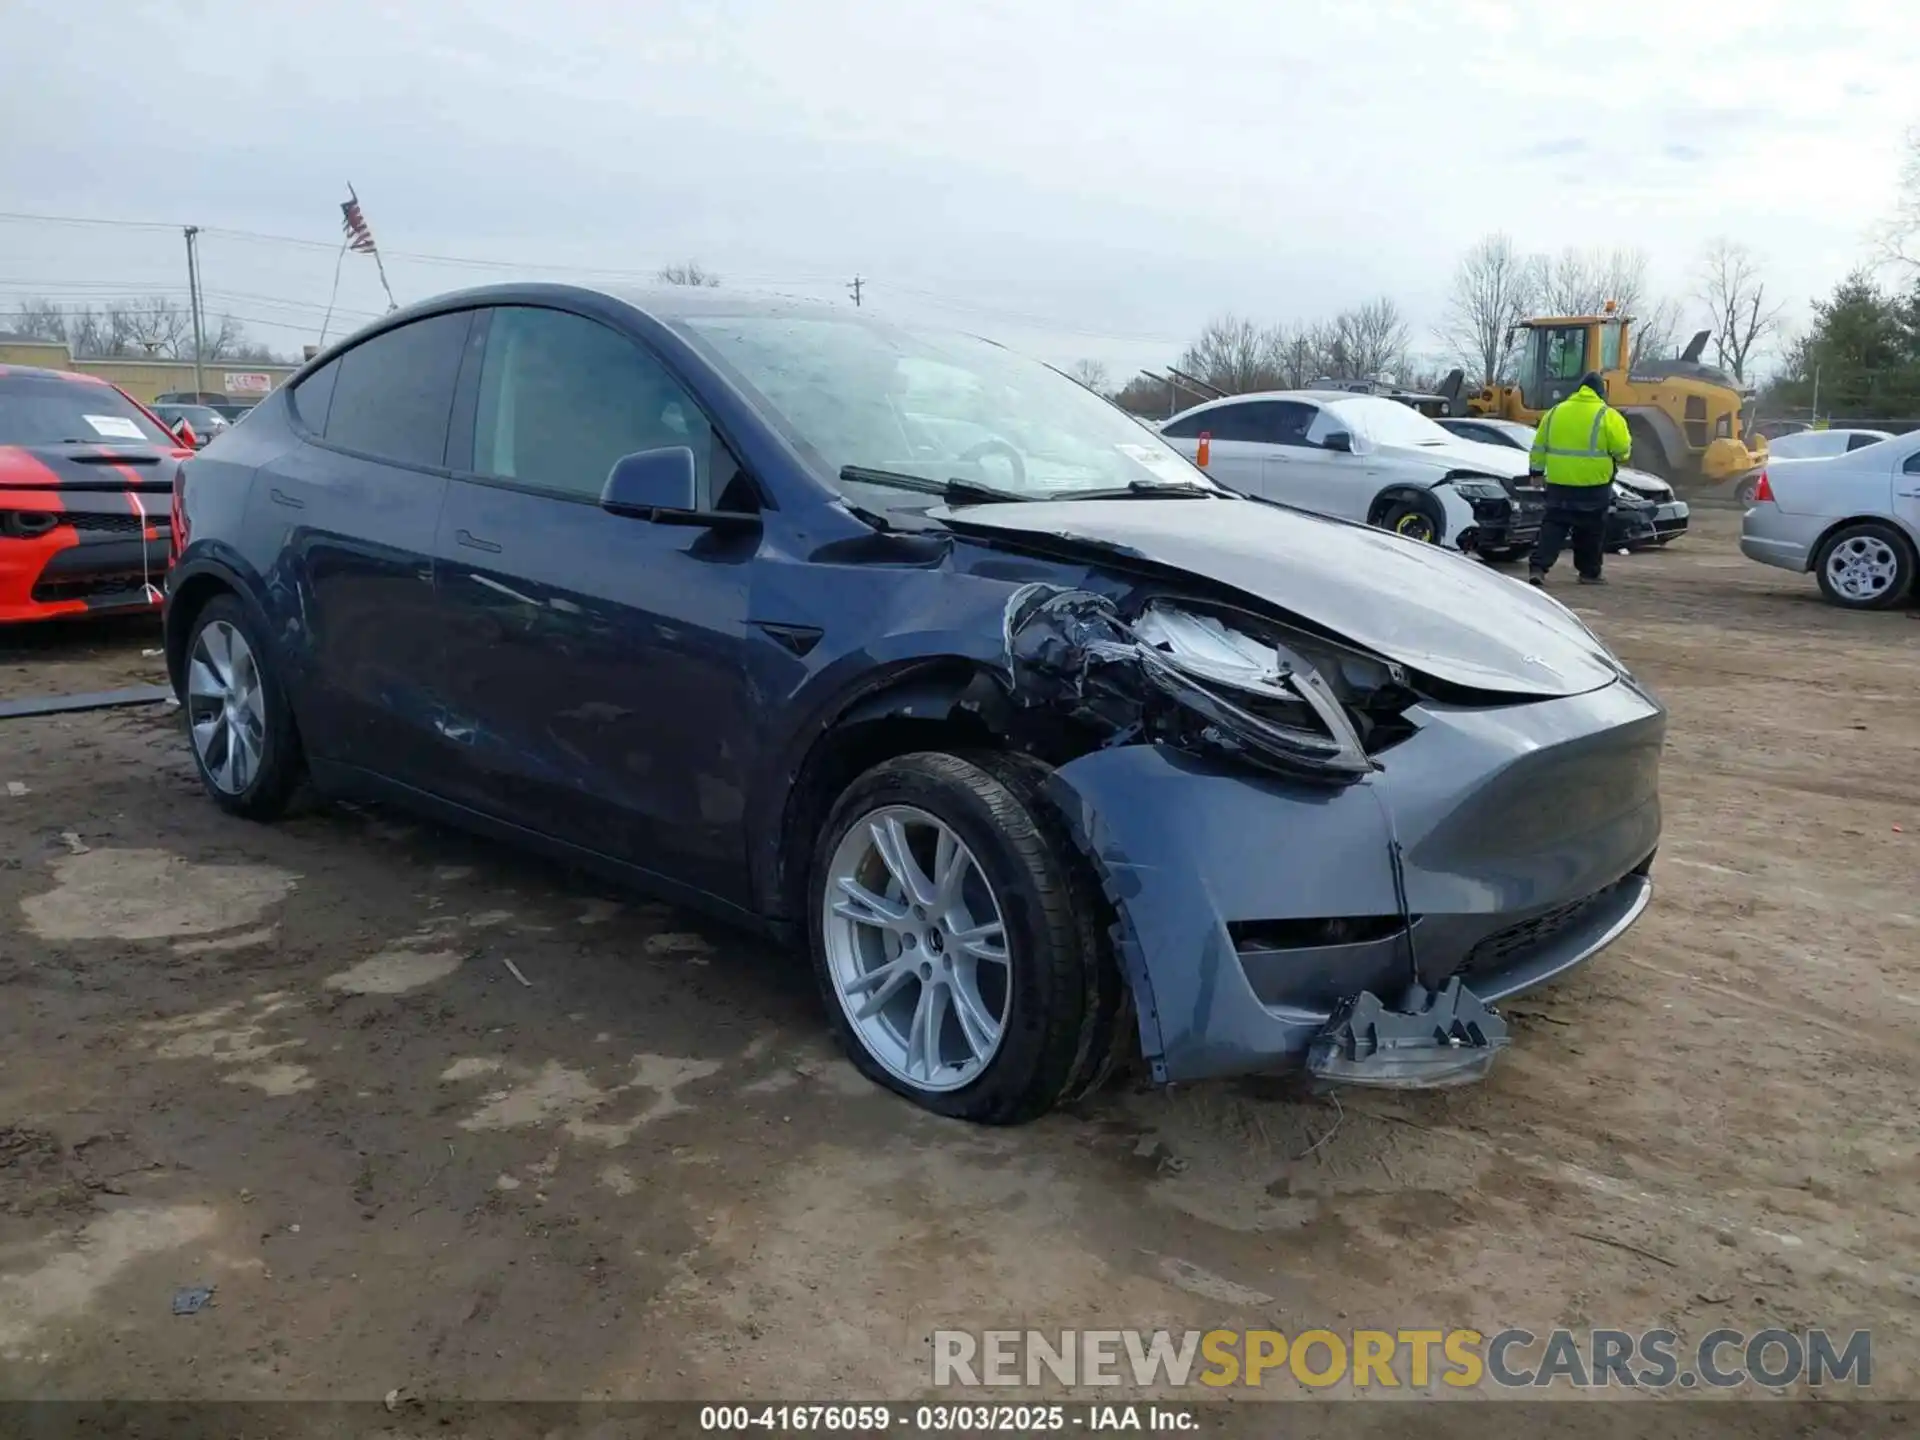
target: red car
85 479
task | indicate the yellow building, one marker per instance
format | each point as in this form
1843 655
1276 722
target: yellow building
241 381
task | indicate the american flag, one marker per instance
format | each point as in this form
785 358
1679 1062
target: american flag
354 224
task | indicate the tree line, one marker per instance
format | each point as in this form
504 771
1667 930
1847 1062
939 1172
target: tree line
1495 286
135 329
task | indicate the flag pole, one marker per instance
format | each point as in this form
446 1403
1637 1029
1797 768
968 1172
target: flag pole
381 266
338 261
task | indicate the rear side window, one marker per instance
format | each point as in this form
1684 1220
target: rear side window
1860 442
394 393
562 397
313 395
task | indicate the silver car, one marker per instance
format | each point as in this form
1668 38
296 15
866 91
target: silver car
1852 519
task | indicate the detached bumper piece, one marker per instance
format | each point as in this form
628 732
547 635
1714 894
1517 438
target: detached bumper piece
1452 1040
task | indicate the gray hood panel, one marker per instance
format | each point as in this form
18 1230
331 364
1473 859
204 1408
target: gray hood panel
1434 611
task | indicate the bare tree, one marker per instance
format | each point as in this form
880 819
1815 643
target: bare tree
1092 374
691 272
1297 358
1656 331
1736 301
1493 290
39 320
1233 354
153 325
1580 282
1899 233
1368 342
86 332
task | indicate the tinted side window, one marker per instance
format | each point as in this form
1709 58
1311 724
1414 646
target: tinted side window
1188 427
1912 467
563 397
313 395
1860 442
394 393
1231 422
1284 422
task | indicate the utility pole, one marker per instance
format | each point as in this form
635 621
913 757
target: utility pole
853 289
193 301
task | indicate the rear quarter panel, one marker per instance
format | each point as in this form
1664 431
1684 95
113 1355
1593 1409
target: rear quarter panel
1833 488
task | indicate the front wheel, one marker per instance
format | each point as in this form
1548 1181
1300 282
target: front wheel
1867 565
953 938
1412 521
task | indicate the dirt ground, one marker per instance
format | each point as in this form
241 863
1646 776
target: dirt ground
293 1063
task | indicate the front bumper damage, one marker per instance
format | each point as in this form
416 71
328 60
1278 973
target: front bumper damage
1360 917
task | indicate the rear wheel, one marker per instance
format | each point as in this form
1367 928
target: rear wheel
238 723
952 939
1867 565
1744 491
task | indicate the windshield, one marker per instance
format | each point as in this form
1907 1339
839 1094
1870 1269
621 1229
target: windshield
44 410
1386 422
934 406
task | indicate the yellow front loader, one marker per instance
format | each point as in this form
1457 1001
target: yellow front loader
1688 419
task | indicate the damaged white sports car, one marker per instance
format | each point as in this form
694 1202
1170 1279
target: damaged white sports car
1366 458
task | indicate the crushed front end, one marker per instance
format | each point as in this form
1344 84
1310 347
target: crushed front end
1318 856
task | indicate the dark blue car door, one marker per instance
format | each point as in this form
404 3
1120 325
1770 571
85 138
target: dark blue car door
593 665
352 510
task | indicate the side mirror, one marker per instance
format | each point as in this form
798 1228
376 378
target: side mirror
650 481
1338 440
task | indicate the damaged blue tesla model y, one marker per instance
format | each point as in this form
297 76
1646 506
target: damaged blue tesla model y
916 652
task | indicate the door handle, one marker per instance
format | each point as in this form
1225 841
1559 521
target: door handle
474 542
1910 494
280 497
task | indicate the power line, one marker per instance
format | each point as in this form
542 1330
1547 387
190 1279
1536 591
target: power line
856 288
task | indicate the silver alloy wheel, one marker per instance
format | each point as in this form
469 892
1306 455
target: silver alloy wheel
1863 567
226 708
917 948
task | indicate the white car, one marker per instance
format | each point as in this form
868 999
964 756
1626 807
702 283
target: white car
1852 519
1366 458
1820 444
1646 511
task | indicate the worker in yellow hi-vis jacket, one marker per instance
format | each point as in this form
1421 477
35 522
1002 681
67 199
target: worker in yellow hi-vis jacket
1578 445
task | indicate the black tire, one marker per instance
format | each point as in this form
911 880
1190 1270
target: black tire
282 765
1066 1005
1743 492
1648 453
1869 532
1505 555
1413 519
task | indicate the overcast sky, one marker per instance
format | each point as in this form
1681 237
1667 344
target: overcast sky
1077 179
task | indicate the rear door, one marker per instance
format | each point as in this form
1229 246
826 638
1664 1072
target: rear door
595 664
1906 488
1232 458
356 503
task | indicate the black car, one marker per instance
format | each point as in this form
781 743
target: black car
1646 513
920 654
